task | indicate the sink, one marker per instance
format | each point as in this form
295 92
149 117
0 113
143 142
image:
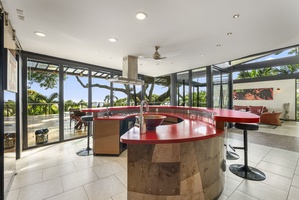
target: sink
152 121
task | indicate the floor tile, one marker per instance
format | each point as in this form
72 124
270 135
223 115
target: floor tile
78 179
108 169
120 196
295 182
69 158
57 171
42 190
88 162
40 164
74 194
223 197
289 155
123 162
122 176
230 186
238 195
294 194
13 195
26 179
277 181
104 188
262 191
276 169
281 161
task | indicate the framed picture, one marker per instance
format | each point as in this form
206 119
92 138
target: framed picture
12 73
253 94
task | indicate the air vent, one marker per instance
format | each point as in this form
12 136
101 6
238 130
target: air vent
20 14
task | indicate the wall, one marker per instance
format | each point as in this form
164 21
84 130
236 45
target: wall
286 94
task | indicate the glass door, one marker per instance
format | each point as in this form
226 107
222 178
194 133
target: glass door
42 103
75 98
220 84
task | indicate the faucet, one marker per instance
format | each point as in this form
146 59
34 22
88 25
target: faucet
142 125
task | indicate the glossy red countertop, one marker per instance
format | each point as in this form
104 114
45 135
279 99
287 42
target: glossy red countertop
190 129
235 116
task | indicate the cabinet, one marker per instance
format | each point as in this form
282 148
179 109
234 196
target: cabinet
107 133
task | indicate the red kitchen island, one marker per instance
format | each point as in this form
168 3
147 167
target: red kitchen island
182 159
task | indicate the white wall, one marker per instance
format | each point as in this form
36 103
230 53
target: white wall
286 94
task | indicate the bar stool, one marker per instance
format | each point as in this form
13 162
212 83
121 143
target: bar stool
246 171
230 155
88 151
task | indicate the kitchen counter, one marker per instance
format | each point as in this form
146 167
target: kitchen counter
183 160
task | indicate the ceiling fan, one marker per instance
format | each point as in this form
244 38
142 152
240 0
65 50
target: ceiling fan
157 55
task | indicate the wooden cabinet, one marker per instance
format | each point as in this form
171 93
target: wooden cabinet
107 133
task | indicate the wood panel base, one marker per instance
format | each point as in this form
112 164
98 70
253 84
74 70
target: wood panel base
192 170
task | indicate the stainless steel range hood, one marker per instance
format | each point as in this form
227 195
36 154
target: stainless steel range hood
129 72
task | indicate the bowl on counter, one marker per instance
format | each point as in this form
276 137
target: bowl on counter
152 120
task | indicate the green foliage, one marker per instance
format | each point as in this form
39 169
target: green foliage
45 79
9 108
202 102
72 104
39 104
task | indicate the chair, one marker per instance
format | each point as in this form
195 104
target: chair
75 115
88 151
244 108
72 115
271 118
246 171
258 110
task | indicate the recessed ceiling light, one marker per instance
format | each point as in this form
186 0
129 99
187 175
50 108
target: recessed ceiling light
141 16
112 39
236 16
229 33
40 34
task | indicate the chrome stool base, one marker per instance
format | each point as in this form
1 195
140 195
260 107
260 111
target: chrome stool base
247 172
85 152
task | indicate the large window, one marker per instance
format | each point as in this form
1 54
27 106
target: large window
56 95
75 98
9 157
199 87
100 89
220 83
42 103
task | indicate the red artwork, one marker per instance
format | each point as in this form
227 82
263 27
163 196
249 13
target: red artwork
253 94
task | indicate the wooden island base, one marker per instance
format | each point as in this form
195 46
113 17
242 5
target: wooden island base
188 170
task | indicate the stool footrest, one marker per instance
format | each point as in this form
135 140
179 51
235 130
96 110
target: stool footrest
232 155
238 147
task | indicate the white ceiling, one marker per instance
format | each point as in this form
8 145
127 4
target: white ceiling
185 29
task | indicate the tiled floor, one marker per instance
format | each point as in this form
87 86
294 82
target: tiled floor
57 173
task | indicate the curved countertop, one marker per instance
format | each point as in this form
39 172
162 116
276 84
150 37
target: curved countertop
193 127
